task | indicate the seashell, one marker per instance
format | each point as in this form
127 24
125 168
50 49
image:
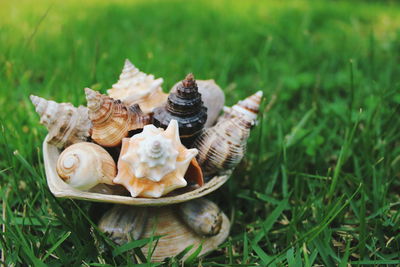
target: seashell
124 223
154 162
60 189
136 87
247 107
222 146
202 216
111 119
185 106
66 124
213 99
84 165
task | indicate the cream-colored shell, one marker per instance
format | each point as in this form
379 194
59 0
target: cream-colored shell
136 87
123 223
66 124
85 165
247 108
61 189
147 173
213 99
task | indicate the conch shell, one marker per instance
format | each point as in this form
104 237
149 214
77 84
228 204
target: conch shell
185 106
84 165
247 108
154 162
136 87
66 124
112 120
213 99
222 146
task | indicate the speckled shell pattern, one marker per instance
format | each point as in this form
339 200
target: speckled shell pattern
112 120
222 146
185 106
66 124
248 108
85 165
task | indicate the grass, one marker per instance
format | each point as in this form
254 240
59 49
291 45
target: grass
321 179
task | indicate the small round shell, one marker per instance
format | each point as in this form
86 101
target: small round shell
66 124
84 165
202 216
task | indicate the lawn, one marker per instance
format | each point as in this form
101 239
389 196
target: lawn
320 183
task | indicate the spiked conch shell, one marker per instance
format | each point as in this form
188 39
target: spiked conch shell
136 87
154 162
84 165
66 124
112 120
247 108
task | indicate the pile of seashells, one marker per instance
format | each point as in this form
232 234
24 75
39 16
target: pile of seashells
151 143
140 148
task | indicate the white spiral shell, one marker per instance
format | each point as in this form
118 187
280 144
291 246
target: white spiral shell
154 162
85 165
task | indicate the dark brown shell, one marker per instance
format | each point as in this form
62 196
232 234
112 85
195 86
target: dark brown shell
185 106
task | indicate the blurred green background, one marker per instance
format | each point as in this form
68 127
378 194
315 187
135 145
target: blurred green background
320 182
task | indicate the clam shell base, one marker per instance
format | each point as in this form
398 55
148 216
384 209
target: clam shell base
61 189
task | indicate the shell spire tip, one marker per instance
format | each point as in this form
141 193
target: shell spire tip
189 81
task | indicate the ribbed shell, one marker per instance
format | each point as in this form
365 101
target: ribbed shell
112 120
66 124
222 146
85 165
185 106
213 99
136 87
247 108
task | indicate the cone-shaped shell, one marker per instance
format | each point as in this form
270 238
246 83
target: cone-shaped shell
248 108
111 119
154 162
136 87
84 165
185 106
123 224
66 124
213 99
222 146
